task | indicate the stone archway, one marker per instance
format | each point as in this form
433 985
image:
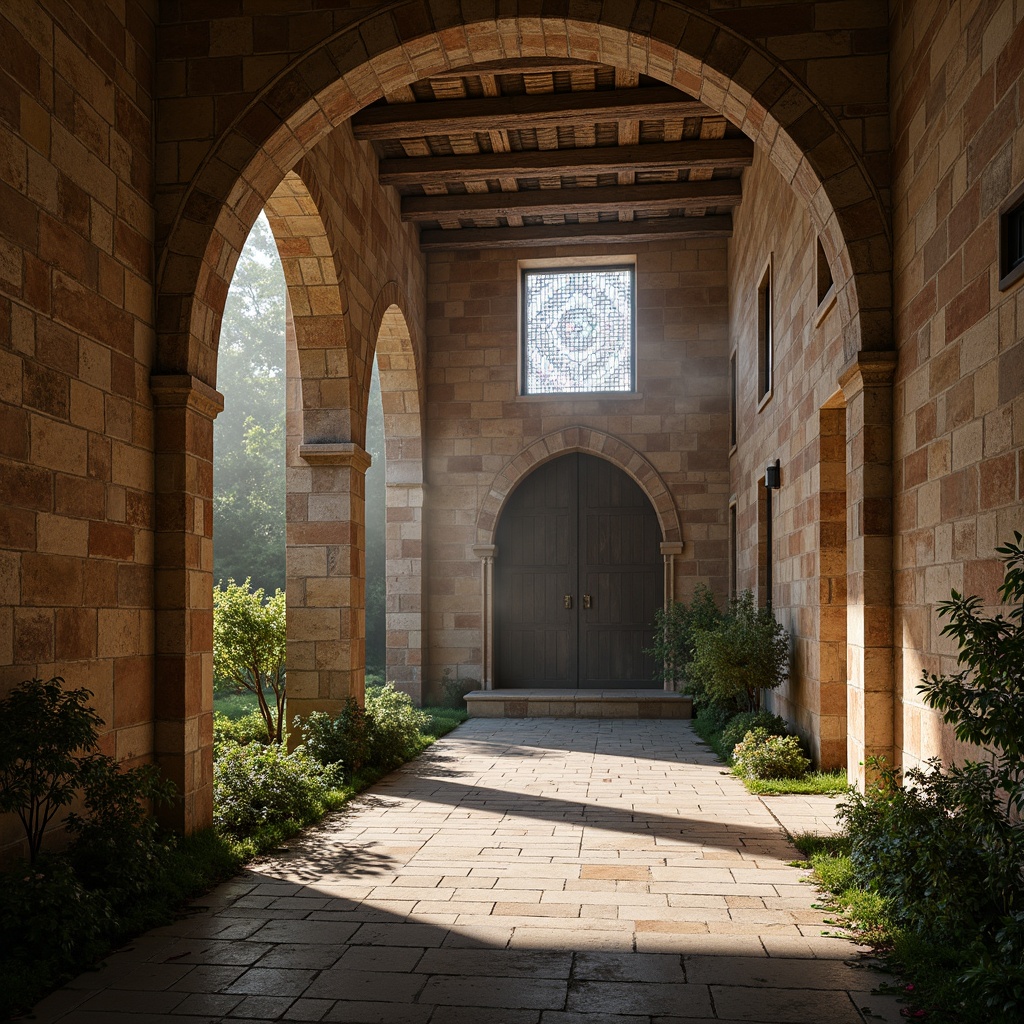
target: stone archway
562 442
334 78
400 384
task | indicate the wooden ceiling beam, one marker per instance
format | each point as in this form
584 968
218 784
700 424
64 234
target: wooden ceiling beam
653 156
438 240
518 66
668 196
452 117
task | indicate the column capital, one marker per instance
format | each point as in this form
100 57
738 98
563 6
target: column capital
336 453
867 369
672 547
485 550
183 391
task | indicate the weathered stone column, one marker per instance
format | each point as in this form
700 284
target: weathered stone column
404 581
184 412
486 553
669 550
867 388
326 538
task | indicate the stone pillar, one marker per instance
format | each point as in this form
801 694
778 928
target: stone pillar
867 388
486 553
404 576
184 411
326 538
669 550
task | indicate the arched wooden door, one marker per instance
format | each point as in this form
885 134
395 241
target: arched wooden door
578 579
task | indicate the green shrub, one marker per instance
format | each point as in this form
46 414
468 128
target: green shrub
46 737
760 755
264 786
117 848
746 652
739 725
250 728
396 726
341 740
675 629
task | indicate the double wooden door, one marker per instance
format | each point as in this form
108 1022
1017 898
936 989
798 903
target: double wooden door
578 579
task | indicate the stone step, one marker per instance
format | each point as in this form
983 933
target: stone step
527 703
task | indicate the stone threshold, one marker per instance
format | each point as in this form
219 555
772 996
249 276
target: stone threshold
527 703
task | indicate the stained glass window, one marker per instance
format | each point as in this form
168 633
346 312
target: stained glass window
578 330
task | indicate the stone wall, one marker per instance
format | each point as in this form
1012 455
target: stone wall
772 226
958 153
76 344
477 423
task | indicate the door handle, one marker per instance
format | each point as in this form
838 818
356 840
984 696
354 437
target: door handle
586 600
567 600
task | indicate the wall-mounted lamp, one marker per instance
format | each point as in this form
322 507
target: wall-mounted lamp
772 482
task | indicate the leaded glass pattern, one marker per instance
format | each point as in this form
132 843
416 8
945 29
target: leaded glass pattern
577 330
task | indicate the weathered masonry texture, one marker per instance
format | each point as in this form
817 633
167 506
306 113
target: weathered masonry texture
139 142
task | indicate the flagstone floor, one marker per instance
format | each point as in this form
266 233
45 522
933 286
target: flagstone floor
539 871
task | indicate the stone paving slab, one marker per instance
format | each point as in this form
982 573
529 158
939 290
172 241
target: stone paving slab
537 871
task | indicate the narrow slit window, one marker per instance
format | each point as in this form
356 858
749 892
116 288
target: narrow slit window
824 273
765 346
579 327
733 399
1011 241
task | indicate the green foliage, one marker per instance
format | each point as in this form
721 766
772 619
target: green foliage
984 700
46 734
395 726
739 725
341 740
249 640
250 728
813 783
442 720
761 755
675 630
255 787
117 848
248 449
745 653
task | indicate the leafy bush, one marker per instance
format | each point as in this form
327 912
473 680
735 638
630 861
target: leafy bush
746 652
761 755
250 728
117 848
46 737
675 629
739 725
342 740
396 726
249 640
257 786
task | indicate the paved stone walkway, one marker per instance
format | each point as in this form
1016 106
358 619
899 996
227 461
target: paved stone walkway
539 871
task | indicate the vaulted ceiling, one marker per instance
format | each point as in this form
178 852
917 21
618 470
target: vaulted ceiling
531 153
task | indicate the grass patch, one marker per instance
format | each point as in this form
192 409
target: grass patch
821 783
235 705
442 720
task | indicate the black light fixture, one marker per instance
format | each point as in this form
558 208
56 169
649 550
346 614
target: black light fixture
772 482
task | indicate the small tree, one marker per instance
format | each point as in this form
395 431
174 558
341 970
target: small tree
674 631
745 653
985 700
46 733
249 648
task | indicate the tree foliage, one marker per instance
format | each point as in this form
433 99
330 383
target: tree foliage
675 630
46 735
746 652
249 435
984 701
249 648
